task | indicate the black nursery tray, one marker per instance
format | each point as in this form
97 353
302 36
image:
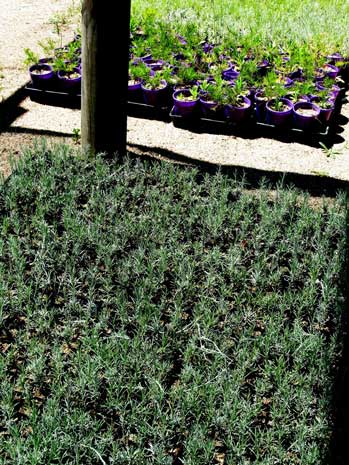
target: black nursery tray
65 100
142 110
54 98
251 126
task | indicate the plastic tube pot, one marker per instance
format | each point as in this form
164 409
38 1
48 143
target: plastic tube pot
279 117
185 106
238 114
134 93
260 102
305 115
70 81
325 111
41 75
155 97
210 109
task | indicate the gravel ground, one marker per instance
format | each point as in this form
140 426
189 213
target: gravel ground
23 24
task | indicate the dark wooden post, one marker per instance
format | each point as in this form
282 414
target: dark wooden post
105 55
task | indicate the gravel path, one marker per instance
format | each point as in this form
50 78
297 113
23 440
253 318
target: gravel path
23 24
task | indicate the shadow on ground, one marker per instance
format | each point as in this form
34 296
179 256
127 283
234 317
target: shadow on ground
316 186
10 109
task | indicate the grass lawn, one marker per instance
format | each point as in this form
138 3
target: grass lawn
155 314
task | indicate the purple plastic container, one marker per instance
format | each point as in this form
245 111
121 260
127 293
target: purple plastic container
45 78
209 109
278 118
305 121
325 113
260 102
238 114
184 107
135 91
68 84
156 97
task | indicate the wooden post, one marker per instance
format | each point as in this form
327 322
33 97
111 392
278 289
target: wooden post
105 55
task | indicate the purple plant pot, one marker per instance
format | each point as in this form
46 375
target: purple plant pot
288 82
260 108
134 93
296 74
46 61
69 84
210 109
238 114
335 91
207 47
278 118
155 65
156 97
331 71
325 113
334 58
146 58
184 108
263 67
305 121
230 74
181 39
42 81
186 86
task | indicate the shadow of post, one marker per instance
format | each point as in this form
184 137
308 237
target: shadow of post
316 186
9 108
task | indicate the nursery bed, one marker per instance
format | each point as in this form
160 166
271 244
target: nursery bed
142 110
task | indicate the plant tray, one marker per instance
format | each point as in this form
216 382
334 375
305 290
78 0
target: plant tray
54 98
251 127
73 101
142 110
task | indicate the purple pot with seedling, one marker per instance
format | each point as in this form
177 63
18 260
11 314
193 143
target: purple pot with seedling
155 65
263 67
238 114
210 109
135 91
297 74
328 70
279 117
260 102
186 106
288 82
70 81
326 111
230 74
42 75
334 58
156 97
331 71
305 115
146 58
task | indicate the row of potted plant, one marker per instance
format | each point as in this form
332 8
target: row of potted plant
217 80
234 97
60 69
